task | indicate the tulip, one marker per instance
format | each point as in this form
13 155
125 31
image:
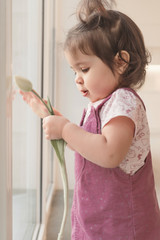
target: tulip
58 145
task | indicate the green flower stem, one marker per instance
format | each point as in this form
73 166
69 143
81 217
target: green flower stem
59 146
65 187
33 91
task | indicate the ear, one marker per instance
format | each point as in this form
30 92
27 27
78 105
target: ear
122 61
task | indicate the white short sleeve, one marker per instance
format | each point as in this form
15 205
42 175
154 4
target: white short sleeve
126 103
122 103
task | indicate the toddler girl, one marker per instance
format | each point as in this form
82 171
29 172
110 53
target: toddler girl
114 195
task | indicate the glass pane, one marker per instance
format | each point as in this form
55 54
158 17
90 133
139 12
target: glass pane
26 37
51 70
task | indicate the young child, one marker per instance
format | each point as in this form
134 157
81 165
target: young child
114 196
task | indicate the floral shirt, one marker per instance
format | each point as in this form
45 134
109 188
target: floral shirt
125 103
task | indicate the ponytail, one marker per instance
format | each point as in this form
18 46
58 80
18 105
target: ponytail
94 12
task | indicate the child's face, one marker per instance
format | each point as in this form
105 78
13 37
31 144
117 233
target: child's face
94 79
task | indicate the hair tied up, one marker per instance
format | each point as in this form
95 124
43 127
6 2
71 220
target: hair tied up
94 21
93 10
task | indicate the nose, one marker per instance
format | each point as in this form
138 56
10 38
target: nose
78 79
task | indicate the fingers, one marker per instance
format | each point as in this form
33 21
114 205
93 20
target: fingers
47 128
56 112
50 127
38 108
34 102
53 126
27 96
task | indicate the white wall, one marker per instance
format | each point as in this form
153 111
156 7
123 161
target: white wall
68 99
146 16
150 94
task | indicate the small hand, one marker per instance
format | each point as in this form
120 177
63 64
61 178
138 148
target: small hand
53 126
37 106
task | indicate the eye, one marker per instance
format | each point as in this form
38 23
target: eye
85 70
75 73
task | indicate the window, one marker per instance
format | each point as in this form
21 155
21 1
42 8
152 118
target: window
27 19
33 50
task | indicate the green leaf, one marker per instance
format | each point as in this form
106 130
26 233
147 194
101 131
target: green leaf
50 106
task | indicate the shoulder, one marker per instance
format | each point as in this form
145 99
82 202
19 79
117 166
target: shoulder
123 102
124 98
126 95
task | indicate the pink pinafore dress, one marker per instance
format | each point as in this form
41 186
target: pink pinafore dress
109 204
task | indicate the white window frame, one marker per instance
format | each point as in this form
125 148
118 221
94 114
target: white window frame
46 202
5 121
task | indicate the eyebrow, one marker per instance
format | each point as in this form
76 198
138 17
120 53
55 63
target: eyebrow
81 63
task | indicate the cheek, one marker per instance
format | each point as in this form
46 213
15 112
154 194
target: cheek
93 84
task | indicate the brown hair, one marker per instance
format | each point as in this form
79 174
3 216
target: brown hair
105 33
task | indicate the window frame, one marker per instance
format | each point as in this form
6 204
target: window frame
5 120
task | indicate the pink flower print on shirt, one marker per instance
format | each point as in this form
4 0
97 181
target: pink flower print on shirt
131 153
144 142
139 156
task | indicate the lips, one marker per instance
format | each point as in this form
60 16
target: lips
84 92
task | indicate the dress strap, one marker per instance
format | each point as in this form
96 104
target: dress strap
83 116
136 94
128 89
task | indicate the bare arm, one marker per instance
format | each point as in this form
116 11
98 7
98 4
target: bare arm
107 149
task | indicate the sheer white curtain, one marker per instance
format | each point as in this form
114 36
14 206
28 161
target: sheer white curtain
26 55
